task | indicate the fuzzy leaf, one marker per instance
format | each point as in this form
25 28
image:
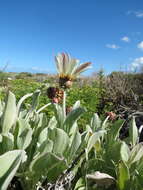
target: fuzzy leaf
60 140
76 105
7 143
136 153
47 164
72 117
9 114
125 152
114 131
80 185
93 139
46 146
43 135
59 115
52 123
35 102
95 122
9 163
21 101
123 176
115 152
133 132
24 134
75 144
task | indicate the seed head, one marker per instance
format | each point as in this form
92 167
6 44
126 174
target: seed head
55 94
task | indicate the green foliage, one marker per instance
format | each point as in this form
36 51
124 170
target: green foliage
49 147
23 75
123 176
20 87
89 97
115 158
40 142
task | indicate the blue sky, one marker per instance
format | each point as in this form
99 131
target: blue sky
109 33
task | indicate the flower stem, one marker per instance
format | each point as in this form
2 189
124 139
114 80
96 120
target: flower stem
64 104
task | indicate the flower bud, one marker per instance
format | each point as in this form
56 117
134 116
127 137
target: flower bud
112 115
55 100
68 84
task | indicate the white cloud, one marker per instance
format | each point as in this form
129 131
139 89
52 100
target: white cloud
138 14
35 68
140 45
39 69
137 64
112 46
125 39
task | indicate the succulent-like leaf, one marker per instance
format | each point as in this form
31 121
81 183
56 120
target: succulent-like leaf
123 176
46 146
80 185
43 107
40 122
76 141
133 132
52 123
95 122
24 134
125 152
59 115
139 166
0 138
136 153
105 123
115 152
9 114
9 163
7 143
43 135
35 102
72 117
113 134
1 107
60 140
73 130
47 164
76 105
21 101
94 138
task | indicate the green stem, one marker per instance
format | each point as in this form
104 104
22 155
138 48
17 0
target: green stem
43 107
64 104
